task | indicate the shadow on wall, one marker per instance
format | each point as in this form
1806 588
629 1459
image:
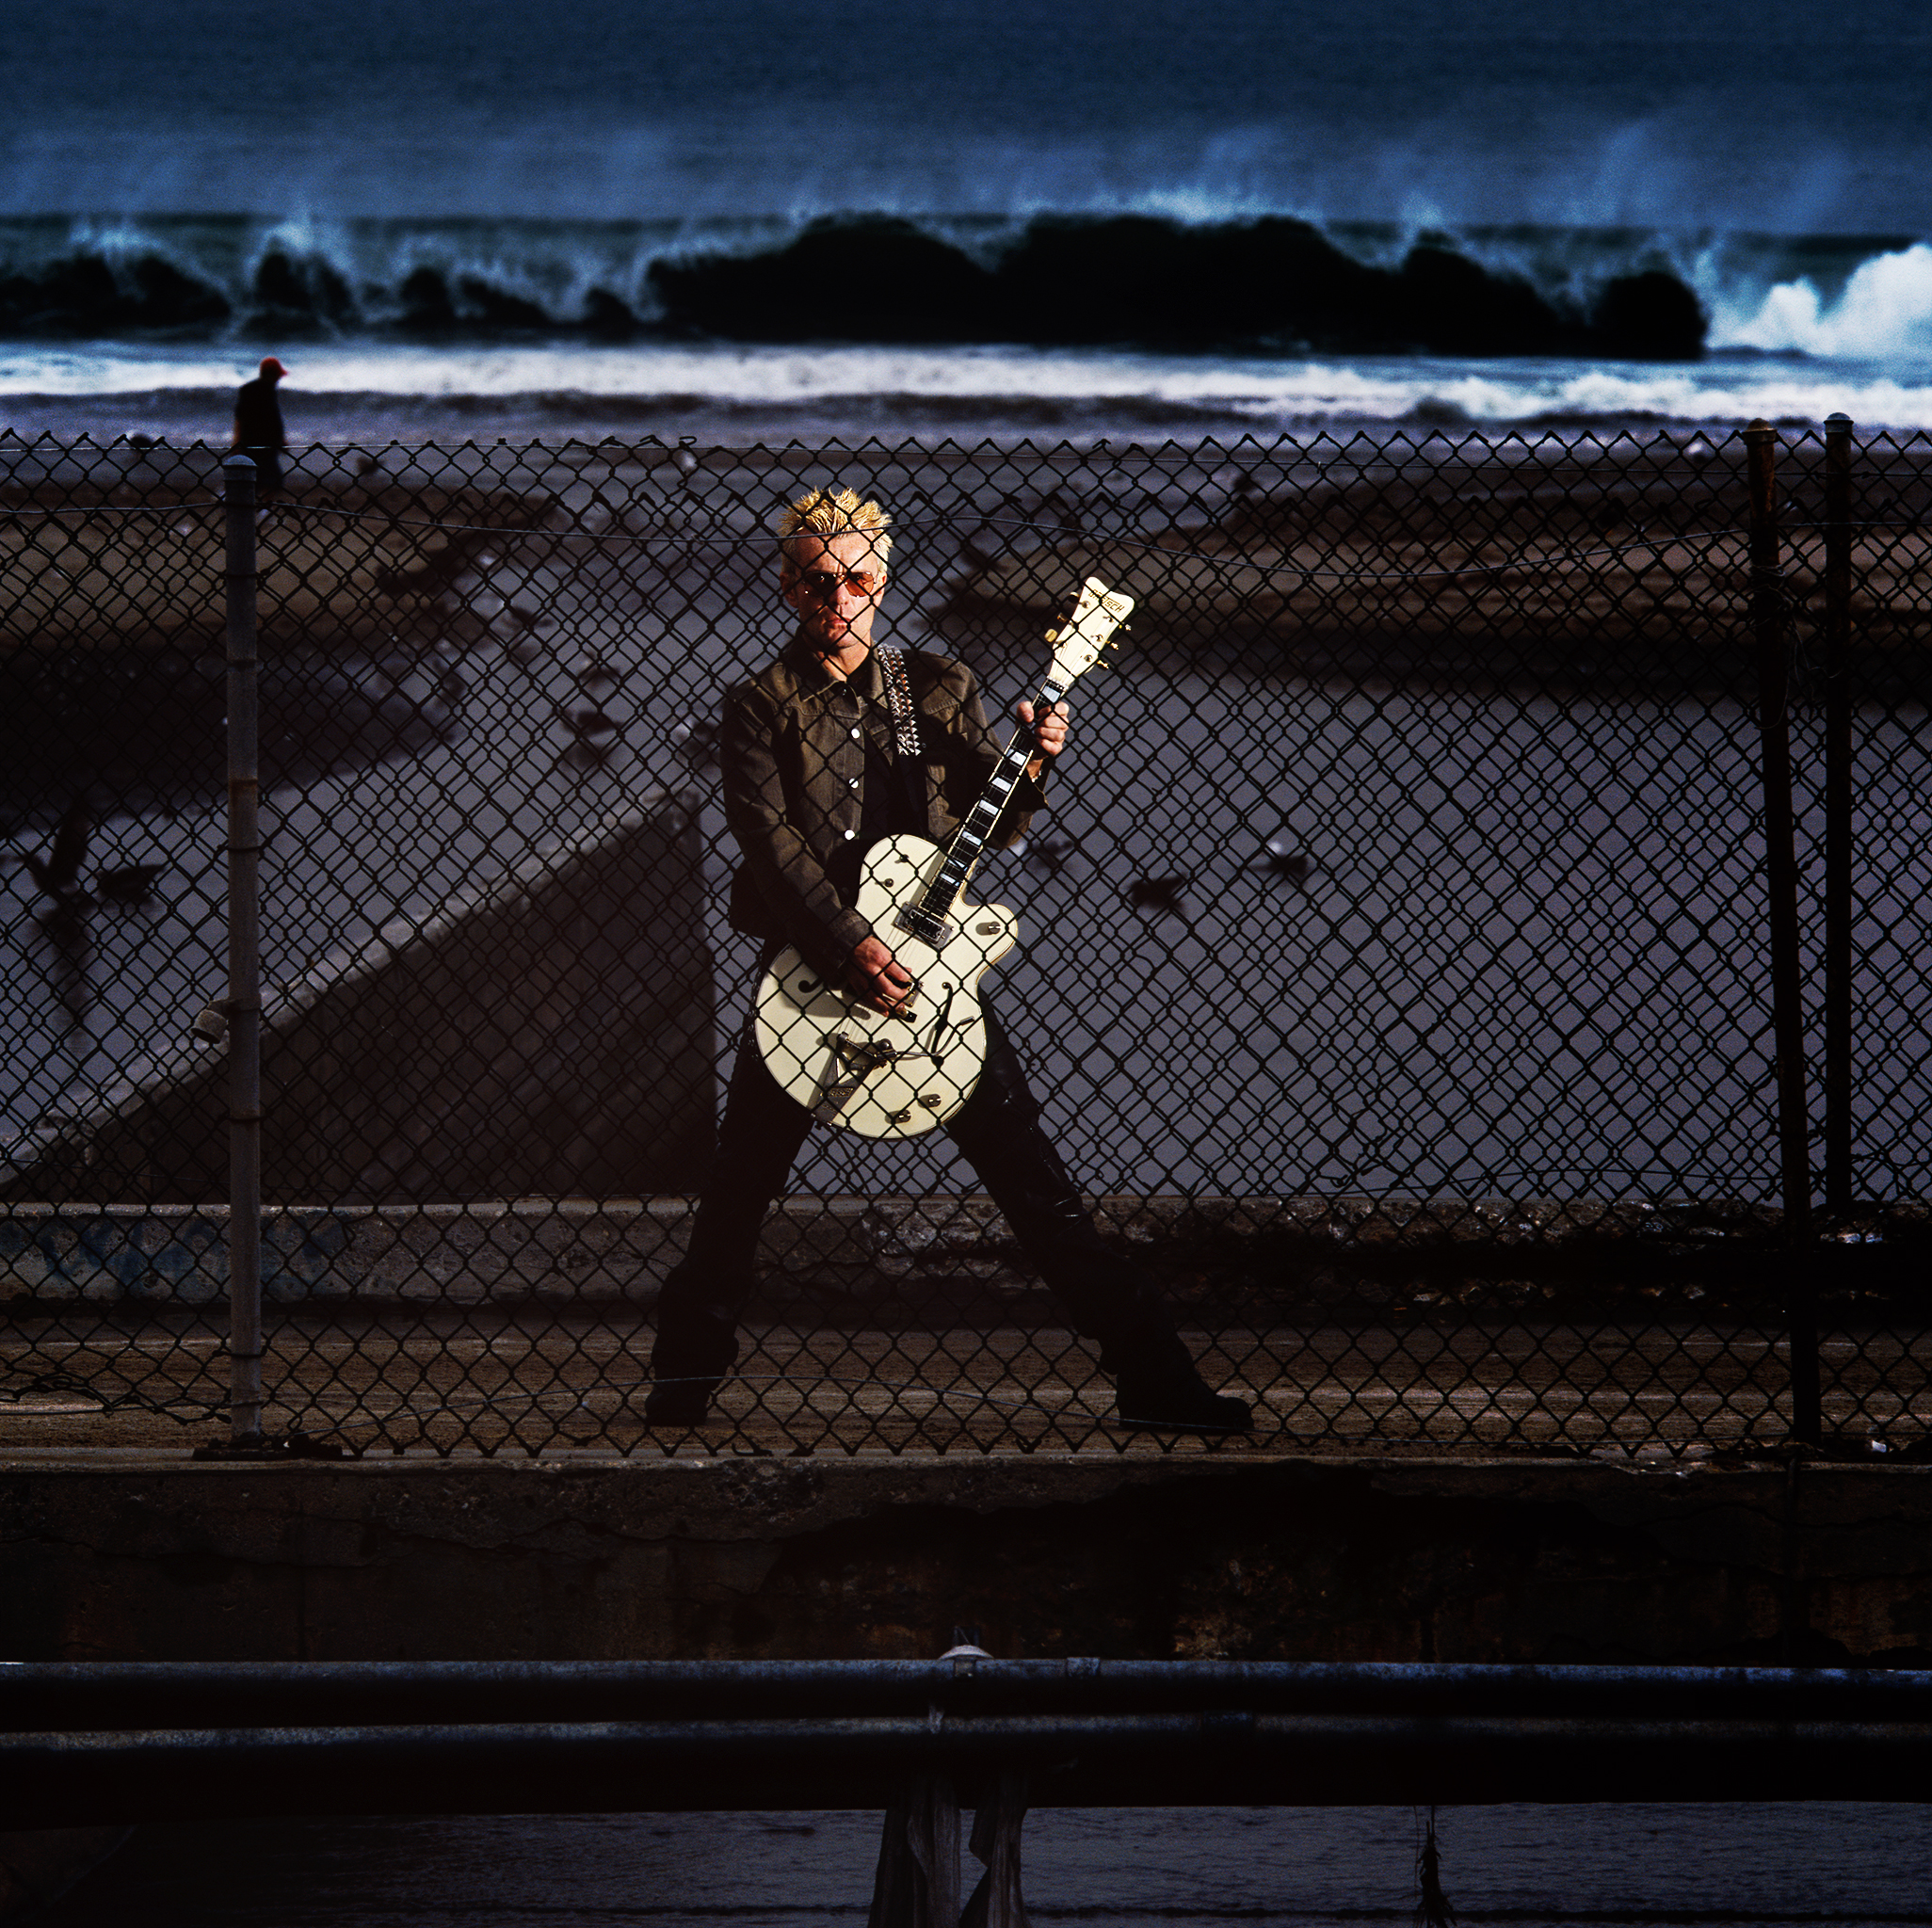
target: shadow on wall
551 1034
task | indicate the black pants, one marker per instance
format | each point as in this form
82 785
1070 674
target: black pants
1107 1297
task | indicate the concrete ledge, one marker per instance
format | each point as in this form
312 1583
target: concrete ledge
511 1249
462 1254
130 1556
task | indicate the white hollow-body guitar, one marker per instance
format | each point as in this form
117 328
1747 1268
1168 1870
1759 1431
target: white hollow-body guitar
894 1077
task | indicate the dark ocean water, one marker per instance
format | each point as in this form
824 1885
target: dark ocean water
1653 1865
1155 215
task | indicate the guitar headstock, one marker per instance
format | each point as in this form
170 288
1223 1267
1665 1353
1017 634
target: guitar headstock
1084 637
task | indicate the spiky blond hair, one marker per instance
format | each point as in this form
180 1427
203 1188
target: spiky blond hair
835 512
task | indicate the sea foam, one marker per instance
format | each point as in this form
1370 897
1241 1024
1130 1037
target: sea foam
340 386
1883 312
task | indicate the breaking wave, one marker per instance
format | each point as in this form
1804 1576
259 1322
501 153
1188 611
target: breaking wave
1085 324
1882 312
1269 284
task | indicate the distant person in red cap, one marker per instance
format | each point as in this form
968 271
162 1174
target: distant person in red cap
258 430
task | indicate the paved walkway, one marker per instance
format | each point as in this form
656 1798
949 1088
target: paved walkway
495 1379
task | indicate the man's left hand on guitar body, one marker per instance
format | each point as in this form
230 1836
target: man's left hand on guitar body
1051 737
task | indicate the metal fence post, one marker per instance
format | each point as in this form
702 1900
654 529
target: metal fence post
244 967
1781 863
1838 815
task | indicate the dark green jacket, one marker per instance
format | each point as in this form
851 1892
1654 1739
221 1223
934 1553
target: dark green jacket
792 755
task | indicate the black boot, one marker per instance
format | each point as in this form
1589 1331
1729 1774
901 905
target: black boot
1158 1388
697 1345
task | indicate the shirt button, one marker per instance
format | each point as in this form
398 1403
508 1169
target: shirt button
854 736
852 782
850 834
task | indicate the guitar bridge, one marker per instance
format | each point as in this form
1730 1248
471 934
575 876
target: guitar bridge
858 1059
861 1057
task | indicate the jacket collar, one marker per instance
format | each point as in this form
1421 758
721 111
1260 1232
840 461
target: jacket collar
815 679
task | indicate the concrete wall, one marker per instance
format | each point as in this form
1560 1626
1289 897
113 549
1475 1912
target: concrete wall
553 1034
505 1249
110 1556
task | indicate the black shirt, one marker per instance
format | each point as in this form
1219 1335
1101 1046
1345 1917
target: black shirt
258 416
885 809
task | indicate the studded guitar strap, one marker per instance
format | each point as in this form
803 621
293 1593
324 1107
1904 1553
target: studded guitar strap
898 688
892 665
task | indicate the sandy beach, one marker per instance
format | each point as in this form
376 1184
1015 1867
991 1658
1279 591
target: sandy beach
1561 562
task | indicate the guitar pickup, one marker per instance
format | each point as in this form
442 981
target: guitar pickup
927 928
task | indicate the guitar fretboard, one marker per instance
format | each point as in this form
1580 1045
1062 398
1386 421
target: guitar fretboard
969 842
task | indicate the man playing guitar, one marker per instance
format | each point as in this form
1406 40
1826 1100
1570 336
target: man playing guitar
811 782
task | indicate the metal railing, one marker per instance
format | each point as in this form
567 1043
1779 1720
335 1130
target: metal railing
1475 954
91 1742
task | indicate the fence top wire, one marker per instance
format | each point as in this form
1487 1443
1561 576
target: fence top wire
114 509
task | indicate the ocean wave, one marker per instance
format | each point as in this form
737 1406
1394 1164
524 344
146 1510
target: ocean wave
1267 284
1883 311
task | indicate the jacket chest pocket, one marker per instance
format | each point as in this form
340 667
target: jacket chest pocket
830 766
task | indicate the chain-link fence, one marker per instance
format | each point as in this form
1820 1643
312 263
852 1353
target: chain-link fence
1395 961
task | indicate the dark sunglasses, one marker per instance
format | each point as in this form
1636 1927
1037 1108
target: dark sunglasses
825 581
